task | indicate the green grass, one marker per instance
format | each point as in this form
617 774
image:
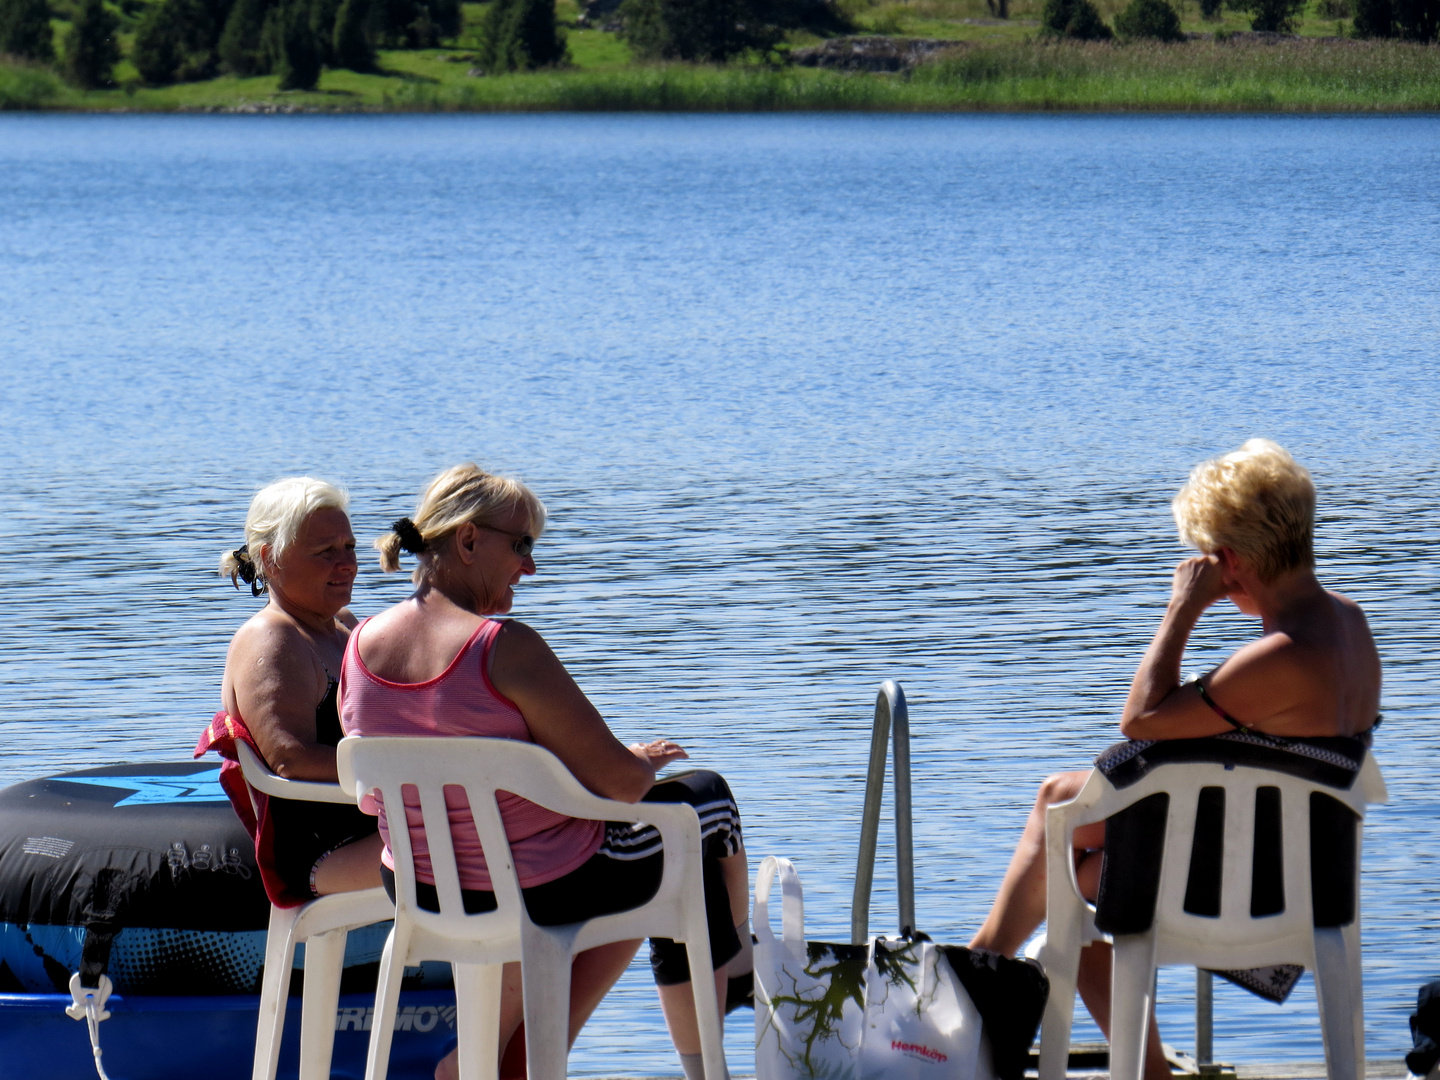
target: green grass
995 66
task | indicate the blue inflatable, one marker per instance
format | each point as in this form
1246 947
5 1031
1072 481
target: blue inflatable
144 874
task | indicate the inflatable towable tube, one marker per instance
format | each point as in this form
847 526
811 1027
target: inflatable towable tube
143 873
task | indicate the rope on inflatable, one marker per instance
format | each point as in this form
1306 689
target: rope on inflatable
89 1005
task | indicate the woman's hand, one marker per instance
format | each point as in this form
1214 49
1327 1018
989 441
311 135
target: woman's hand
659 753
1199 582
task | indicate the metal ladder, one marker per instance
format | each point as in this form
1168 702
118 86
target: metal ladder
892 715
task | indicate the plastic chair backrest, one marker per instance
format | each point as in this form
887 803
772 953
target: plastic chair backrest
1252 899
482 767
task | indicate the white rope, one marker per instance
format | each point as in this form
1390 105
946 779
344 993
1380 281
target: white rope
89 1005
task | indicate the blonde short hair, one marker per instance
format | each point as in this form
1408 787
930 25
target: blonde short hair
461 494
1258 501
276 516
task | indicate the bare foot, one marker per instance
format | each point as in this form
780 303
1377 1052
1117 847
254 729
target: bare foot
449 1067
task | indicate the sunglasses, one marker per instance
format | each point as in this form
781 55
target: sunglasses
523 544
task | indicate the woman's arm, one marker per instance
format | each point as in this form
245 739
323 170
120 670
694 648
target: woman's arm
561 719
276 687
1252 684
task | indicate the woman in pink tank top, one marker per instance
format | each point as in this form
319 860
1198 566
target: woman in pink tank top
439 665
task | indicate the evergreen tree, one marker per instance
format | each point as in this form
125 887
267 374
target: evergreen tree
242 48
25 29
520 35
351 46
1278 16
1149 19
1373 18
1078 19
156 51
710 31
298 54
322 24
1417 20
91 48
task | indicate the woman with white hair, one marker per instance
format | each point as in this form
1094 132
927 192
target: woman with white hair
282 677
1312 673
442 664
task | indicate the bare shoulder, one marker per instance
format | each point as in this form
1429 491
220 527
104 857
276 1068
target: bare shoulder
271 643
346 618
521 644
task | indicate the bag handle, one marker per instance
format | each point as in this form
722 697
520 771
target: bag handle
792 903
890 711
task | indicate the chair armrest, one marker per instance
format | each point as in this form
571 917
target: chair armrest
258 776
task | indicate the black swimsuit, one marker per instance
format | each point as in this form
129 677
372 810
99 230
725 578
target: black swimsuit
305 832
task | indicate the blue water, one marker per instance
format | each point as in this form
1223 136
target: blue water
813 401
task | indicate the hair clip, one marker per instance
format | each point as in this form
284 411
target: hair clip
409 534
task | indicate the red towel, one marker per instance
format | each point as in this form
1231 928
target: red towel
221 735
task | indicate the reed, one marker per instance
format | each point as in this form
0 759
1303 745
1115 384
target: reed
1240 75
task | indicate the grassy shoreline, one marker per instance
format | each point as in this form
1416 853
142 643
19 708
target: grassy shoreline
1306 75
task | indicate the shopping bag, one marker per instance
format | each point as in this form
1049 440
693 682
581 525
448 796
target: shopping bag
889 1010
919 1021
809 996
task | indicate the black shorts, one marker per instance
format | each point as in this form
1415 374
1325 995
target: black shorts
625 873
305 832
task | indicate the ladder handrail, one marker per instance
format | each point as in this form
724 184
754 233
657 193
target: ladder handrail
891 714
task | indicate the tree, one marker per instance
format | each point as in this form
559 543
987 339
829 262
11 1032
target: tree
700 30
177 41
1210 9
1280 16
25 29
91 49
414 24
350 46
1373 18
1149 19
1417 20
242 45
520 35
1074 19
296 53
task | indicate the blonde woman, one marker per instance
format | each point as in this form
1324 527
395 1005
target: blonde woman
1313 672
442 664
281 680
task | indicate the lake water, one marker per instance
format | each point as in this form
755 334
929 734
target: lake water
814 401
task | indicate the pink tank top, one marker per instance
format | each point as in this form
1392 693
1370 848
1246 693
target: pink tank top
461 701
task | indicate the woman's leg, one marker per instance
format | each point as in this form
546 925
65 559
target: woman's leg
740 970
677 1002
1019 906
354 866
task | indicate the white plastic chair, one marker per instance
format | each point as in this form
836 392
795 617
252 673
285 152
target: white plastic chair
322 925
477 945
1235 939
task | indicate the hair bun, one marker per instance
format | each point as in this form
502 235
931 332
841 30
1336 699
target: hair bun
247 571
410 538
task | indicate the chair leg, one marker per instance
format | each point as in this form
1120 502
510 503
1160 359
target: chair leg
707 1008
387 1000
324 962
1339 993
1062 968
1132 990
545 976
477 1019
274 991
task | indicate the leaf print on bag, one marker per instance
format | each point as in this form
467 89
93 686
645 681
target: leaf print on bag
833 975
